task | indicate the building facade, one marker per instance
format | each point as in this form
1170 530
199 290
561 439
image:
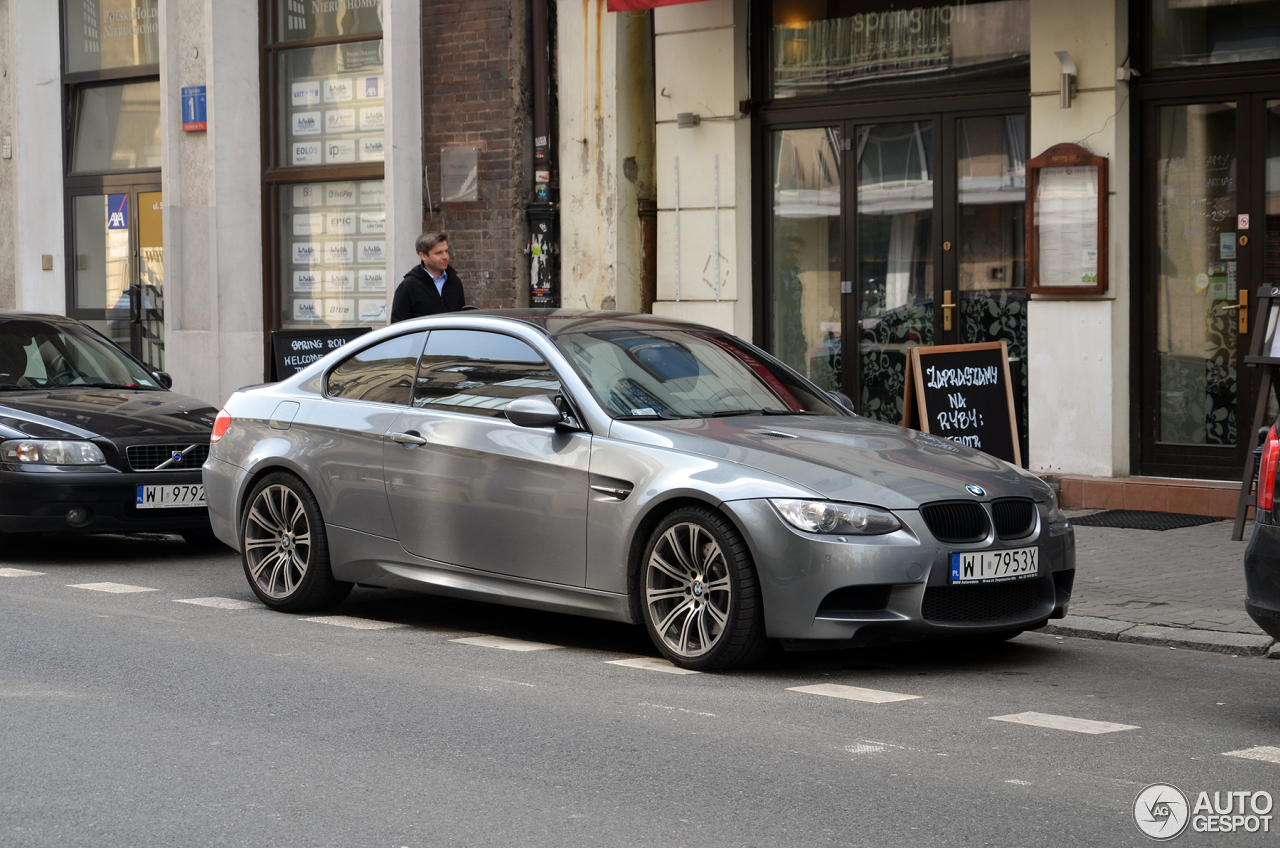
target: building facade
836 180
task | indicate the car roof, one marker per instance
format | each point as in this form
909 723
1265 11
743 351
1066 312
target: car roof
555 322
17 314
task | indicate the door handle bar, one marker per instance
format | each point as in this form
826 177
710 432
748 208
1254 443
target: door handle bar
408 439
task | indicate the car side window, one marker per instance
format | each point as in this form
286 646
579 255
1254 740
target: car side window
479 372
381 374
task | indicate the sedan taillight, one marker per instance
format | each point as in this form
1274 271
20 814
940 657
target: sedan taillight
1267 470
220 425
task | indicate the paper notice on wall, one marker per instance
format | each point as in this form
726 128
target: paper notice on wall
1067 221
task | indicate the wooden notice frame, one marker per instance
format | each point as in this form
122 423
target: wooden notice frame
968 396
1067 232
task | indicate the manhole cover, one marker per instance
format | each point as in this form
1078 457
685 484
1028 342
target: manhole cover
1133 519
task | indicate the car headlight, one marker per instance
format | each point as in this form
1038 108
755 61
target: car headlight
835 518
1049 512
51 452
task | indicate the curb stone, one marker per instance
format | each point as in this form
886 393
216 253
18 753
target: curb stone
1243 644
1087 627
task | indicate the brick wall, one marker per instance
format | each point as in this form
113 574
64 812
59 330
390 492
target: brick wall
476 94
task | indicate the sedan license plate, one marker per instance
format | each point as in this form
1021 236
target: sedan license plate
994 566
187 495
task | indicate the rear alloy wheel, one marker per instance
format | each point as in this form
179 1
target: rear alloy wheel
284 548
699 593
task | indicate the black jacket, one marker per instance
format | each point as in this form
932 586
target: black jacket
417 296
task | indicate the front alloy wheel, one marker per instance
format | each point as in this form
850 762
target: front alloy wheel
701 599
284 548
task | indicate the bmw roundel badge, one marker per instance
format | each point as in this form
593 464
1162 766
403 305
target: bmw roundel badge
976 490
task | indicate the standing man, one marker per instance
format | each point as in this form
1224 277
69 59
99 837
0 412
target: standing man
432 286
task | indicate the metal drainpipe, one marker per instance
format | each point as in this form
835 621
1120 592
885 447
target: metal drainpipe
544 230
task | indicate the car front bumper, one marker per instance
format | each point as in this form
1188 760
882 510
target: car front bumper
32 502
823 592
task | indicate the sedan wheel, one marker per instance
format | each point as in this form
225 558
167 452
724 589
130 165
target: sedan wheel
701 599
284 548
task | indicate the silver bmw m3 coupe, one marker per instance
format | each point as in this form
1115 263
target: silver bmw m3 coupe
626 467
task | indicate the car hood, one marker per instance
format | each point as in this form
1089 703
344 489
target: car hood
848 459
112 413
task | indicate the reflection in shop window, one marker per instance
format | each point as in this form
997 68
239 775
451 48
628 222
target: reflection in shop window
805 331
895 259
820 47
1213 32
102 34
117 127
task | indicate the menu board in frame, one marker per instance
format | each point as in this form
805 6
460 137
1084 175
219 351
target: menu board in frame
1067 222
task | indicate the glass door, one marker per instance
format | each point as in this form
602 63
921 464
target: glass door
939 217
805 253
907 231
117 267
1200 263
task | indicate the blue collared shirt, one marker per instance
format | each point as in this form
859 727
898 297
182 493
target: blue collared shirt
439 281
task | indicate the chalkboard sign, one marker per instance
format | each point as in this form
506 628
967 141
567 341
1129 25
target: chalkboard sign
293 350
963 393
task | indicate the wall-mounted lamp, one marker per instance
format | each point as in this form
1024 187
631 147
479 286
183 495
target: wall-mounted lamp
1068 84
687 120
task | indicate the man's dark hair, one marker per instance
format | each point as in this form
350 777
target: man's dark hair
427 241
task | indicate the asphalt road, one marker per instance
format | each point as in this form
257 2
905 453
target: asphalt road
140 718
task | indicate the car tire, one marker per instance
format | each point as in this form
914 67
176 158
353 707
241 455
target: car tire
699 594
284 549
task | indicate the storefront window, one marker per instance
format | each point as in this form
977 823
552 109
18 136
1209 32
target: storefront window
895 266
303 19
822 46
1211 32
806 331
332 104
334 263
104 34
326 170
117 128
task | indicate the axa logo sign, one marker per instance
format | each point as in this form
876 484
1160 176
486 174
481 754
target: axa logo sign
117 211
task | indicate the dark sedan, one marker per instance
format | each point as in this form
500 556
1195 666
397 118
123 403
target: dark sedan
1262 557
90 440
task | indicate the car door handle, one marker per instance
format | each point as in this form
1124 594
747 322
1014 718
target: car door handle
409 440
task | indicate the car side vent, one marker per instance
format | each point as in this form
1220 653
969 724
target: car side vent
774 434
956 522
1014 518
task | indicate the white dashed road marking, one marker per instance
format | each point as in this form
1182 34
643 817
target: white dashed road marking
1265 753
1056 722
852 693
113 588
653 664
19 572
219 603
505 644
354 623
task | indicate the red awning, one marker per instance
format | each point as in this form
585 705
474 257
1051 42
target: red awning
637 5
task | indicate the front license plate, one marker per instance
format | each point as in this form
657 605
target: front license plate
167 497
994 566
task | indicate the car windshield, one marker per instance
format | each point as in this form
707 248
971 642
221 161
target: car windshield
638 372
39 355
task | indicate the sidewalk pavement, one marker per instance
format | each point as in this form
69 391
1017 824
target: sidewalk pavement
1182 588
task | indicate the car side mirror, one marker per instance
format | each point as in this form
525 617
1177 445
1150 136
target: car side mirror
534 411
164 378
844 400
